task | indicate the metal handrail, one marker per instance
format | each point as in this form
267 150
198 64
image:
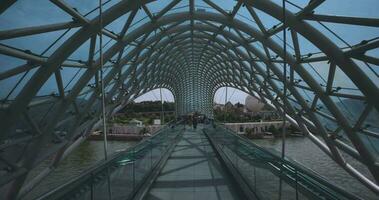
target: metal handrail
102 165
301 173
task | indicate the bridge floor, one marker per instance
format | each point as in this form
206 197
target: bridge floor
193 172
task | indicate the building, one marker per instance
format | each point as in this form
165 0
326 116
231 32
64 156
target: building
257 127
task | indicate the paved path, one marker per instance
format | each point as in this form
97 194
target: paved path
192 172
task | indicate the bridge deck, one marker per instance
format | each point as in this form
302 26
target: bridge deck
193 172
163 168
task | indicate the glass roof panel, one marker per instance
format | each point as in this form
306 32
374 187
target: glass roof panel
43 40
83 6
26 14
49 87
9 62
10 87
366 8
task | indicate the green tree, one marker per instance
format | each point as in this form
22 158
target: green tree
273 130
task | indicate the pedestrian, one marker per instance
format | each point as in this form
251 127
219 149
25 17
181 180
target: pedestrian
194 121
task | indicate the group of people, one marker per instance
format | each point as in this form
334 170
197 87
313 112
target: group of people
193 120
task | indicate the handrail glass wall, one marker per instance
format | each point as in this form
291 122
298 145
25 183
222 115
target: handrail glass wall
122 174
267 174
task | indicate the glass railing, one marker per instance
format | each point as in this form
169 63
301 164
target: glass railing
267 174
123 173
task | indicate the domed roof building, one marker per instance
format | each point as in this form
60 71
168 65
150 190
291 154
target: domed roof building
253 104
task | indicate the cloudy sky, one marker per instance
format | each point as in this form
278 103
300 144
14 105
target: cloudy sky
233 95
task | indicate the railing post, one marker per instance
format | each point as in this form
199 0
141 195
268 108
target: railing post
92 186
133 169
280 178
237 152
109 184
235 146
151 154
297 192
255 179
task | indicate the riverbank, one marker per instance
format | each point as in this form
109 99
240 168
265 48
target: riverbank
118 137
269 135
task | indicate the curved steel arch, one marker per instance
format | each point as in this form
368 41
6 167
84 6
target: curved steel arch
192 68
334 109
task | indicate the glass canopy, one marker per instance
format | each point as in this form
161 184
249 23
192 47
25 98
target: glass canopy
51 70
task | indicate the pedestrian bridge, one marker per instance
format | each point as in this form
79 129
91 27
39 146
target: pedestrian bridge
210 162
67 66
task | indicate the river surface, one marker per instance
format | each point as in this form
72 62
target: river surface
300 149
304 151
85 156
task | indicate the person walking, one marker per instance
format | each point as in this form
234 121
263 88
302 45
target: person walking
194 121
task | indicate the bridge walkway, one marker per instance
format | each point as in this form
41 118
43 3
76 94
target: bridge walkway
193 172
209 163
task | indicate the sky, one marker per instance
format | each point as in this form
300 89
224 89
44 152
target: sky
233 95
25 13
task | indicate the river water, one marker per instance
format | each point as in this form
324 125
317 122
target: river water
82 158
300 149
304 151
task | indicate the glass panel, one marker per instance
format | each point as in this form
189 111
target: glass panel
26 13
122 173
271 176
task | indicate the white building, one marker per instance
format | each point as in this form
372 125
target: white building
257 127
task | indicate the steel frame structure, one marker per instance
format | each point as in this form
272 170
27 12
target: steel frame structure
192 53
